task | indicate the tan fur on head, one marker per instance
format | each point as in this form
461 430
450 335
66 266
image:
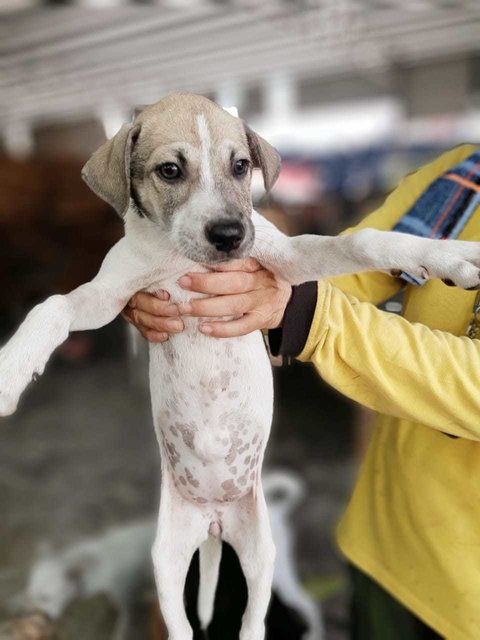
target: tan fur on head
169 121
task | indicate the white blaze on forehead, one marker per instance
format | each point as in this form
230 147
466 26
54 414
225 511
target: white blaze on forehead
233 111
205 145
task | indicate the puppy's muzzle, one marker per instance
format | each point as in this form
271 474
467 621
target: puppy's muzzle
225 235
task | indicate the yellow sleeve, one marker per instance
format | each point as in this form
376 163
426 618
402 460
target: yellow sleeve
378 287
395 367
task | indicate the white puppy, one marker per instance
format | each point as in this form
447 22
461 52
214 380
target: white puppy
283 492
179 175
116 563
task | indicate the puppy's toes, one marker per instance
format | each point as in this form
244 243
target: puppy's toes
471 280
462 274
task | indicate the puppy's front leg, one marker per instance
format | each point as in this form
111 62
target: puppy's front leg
309 257
90 306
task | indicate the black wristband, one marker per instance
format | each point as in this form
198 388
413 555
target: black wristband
291 337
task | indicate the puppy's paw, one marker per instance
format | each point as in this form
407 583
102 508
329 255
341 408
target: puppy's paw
16 373
8 403
464 275
455 262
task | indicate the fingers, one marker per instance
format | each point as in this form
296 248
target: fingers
127 315
153 315
162 324
150 303
153 336
149 334
232 328
221 283
233 305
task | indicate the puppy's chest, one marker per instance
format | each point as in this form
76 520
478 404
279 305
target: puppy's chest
197 376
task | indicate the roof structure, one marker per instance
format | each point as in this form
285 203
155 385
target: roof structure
64 62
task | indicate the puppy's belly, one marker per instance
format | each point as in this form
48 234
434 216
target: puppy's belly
212 404
216 481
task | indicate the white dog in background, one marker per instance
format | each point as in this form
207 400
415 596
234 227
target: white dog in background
179 176
284 491
117 563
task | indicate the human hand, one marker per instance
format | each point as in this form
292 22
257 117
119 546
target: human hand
240 288
153 315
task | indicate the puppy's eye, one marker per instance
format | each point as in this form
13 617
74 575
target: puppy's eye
240 167
169 171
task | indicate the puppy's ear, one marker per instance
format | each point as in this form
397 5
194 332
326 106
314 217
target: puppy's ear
107 172
265 157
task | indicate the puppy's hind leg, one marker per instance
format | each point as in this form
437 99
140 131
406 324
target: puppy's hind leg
182 527
246 527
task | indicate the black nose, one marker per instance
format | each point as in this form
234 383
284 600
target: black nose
225 235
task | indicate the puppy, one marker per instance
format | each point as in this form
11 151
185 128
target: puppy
179 176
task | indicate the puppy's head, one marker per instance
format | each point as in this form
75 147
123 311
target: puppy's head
185 165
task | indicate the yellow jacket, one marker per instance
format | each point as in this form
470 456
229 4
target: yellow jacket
413 522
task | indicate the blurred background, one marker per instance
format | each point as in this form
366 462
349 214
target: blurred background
354 94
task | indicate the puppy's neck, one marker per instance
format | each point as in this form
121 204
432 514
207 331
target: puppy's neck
152 243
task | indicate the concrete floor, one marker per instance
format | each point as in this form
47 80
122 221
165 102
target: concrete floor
80 455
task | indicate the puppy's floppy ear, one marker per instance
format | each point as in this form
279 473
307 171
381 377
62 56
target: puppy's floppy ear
107 172
264 156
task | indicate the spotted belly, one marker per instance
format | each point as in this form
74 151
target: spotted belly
211 425
224 479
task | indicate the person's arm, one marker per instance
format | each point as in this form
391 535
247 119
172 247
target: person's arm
389 364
